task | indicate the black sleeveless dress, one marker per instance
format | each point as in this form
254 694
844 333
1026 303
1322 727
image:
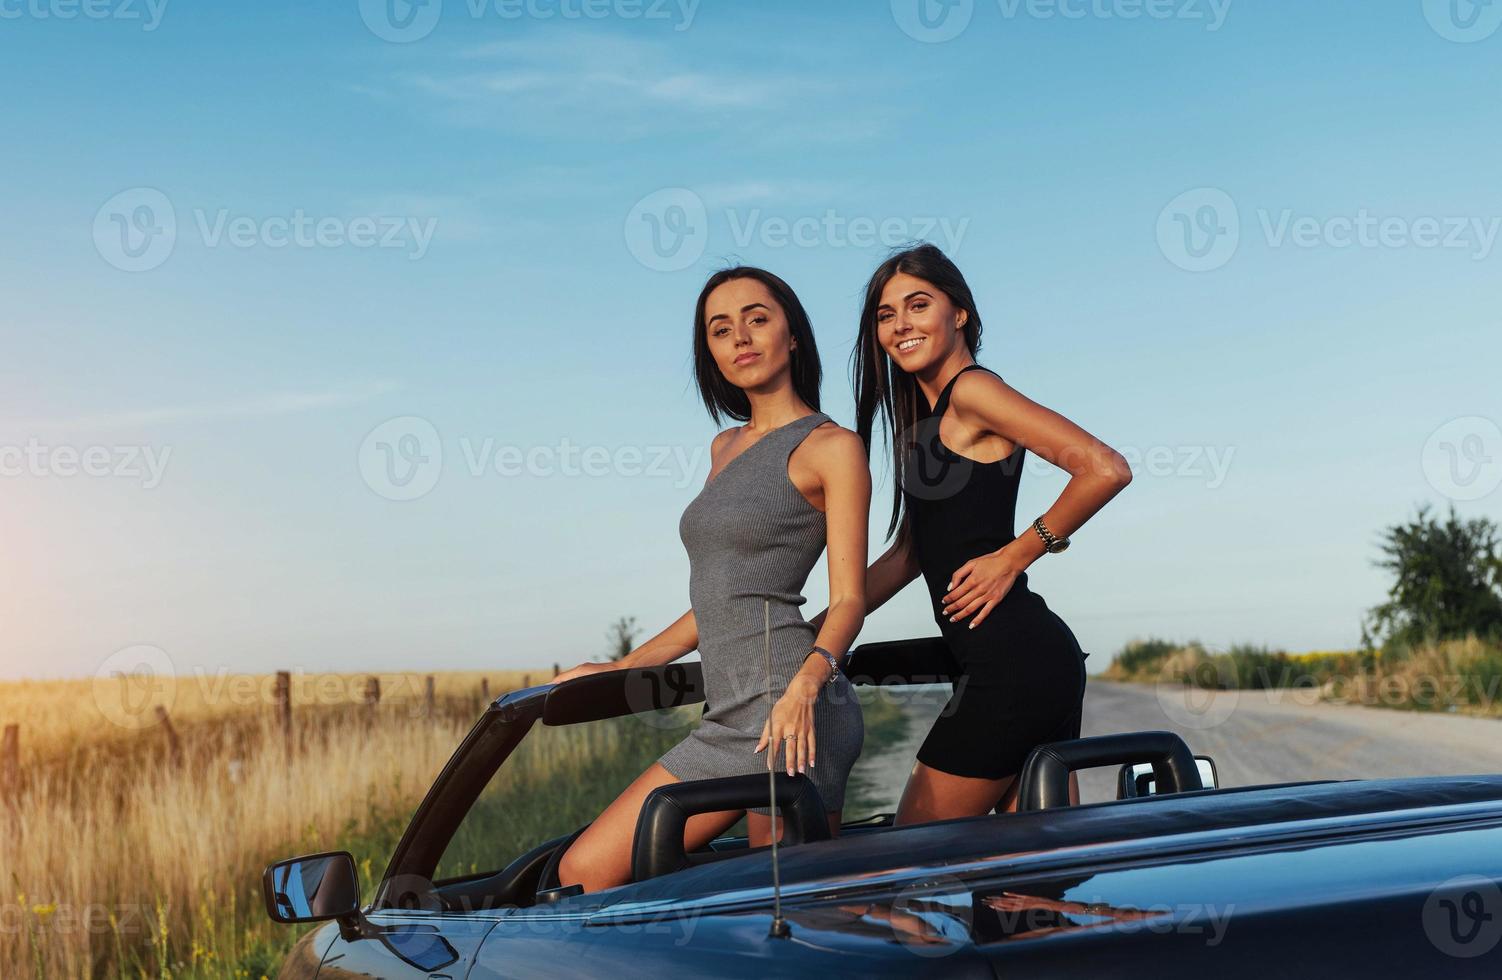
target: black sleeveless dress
1022 672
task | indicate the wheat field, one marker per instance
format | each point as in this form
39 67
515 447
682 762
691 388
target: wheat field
123 858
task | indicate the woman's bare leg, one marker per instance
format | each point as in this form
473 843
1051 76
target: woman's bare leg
934 795
601 856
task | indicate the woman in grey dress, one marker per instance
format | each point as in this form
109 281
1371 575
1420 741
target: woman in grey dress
781 487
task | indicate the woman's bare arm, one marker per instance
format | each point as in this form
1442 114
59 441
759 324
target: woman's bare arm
1096 474
887 576
682 637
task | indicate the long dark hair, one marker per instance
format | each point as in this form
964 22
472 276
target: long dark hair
723 398
878 384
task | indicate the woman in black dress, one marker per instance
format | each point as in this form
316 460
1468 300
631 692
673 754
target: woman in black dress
960 434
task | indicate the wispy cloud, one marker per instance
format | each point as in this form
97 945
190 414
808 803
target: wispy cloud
618 83
253 406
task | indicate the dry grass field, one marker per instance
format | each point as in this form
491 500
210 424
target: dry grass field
123 855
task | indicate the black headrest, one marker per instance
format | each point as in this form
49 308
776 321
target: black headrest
658 847
1045 775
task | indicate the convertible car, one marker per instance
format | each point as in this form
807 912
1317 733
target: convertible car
1177 877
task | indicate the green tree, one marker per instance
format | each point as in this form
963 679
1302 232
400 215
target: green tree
622 637
1448 581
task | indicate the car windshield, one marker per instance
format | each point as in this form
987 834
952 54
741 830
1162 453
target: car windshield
560 778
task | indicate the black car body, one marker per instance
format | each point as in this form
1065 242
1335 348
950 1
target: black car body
1353 878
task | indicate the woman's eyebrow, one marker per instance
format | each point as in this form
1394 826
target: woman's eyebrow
745 309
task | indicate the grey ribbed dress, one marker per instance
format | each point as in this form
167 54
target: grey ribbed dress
750 533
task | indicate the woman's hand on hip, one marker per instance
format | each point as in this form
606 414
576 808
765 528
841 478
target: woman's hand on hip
792 715
978 585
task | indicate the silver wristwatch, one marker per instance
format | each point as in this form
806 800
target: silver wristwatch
1051 544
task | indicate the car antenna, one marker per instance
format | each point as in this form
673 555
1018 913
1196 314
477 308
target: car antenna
780 929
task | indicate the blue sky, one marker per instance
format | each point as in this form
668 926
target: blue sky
1252 245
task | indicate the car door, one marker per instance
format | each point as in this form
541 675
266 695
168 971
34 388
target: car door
404 945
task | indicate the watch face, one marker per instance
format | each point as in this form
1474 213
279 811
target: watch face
1058 546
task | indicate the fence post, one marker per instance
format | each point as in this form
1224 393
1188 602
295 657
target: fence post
10 761
527 680
174 744
556 670
428 696
485 689
372 695
282 698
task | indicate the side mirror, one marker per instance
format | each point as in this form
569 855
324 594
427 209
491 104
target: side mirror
1138 780
313 888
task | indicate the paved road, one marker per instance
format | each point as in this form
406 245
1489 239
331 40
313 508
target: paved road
1254 736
